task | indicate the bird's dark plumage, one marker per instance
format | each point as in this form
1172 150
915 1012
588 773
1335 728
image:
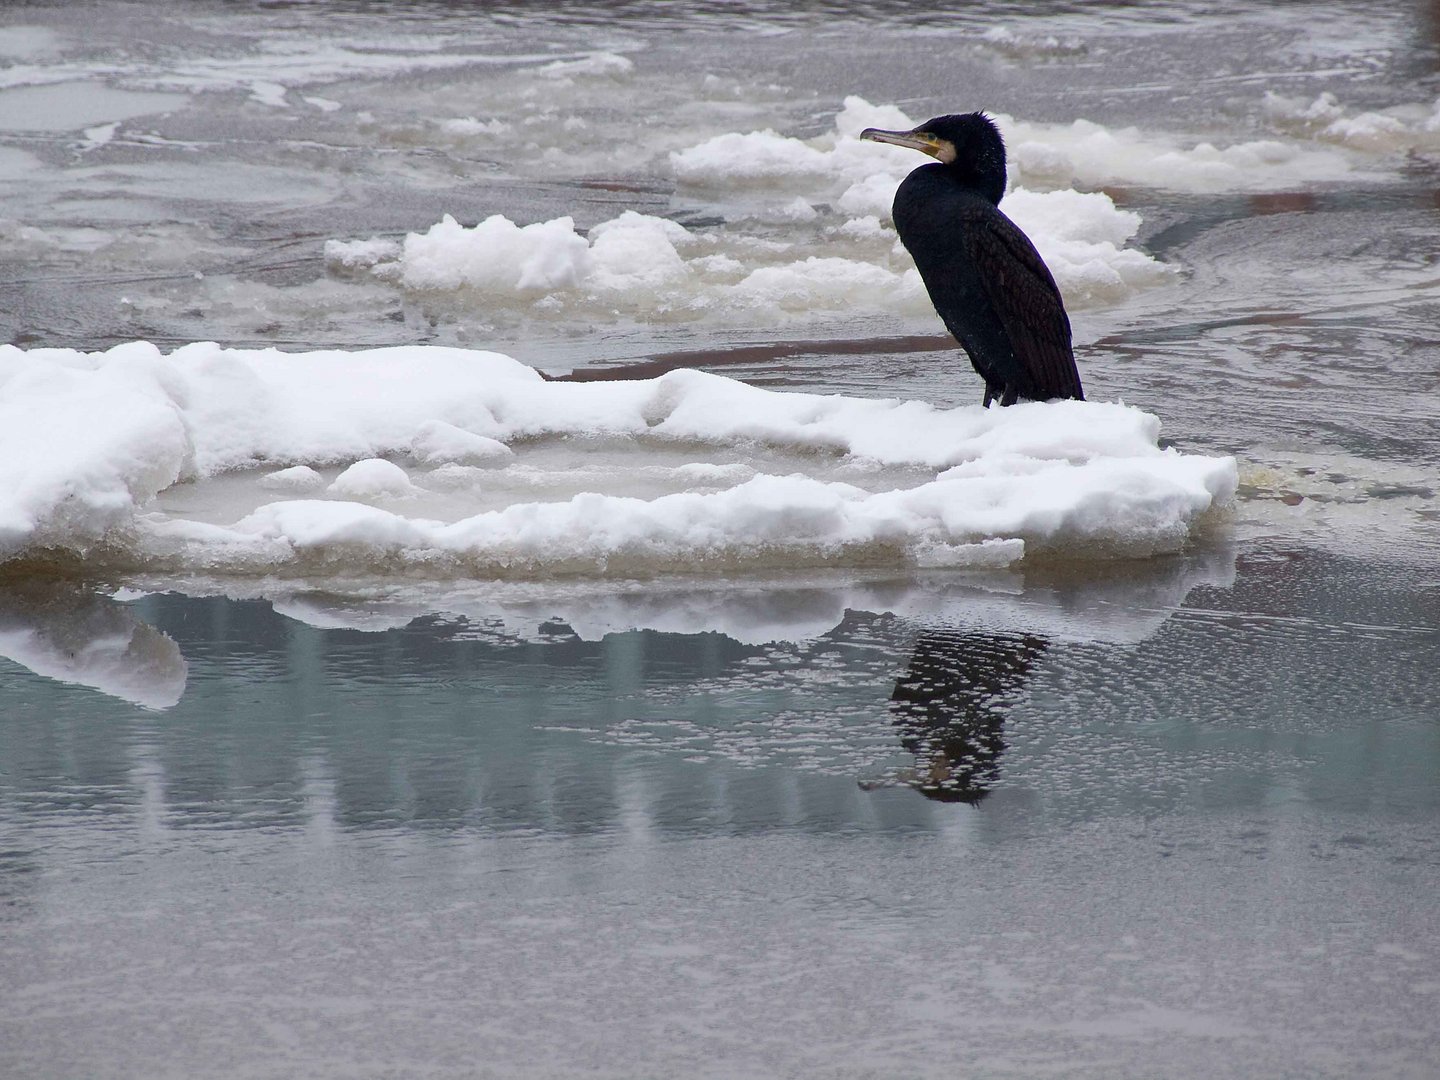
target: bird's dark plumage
987 281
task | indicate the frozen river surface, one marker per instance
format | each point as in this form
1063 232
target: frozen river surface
382 708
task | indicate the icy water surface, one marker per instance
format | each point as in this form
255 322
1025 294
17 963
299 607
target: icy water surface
288 790
506 845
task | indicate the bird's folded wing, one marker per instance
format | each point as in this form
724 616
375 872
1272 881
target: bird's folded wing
1027 300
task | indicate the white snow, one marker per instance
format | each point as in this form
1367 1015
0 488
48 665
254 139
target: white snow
373 478
751 478
835 253
839 254
1409 127
651 267
1042 156
497 255
1090 154
438 443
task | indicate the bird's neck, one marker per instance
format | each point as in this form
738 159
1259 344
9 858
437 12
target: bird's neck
987 182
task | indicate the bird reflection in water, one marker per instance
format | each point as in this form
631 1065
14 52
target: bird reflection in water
950 708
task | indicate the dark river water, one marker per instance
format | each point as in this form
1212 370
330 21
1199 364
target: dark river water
1175 817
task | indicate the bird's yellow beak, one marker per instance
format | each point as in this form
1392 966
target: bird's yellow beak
923 141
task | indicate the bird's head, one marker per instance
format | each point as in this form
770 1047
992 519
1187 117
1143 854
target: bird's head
967 142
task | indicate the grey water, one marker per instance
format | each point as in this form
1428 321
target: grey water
1170 818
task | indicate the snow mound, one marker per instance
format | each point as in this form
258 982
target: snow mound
687 473
373 478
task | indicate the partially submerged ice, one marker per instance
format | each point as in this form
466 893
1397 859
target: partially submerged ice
441 462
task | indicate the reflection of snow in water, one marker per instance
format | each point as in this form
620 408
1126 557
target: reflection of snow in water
75 636
790 626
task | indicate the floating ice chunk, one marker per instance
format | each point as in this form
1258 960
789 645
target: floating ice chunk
1324 109
372 479
705 473
361 254
24 239
269 93
856 114
1081 236
872 196
1007 42
1431 123
598 65
440 443
1369 131
497 254
987 553
866 228
633 251
756 157
766 158
1088 153
468 126
295 478
99 135
1400 128
637 251
1091 217
825 283
796 210
322 103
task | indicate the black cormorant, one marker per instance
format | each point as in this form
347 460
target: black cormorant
987 281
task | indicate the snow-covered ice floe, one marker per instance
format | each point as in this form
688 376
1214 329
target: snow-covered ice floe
443 462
